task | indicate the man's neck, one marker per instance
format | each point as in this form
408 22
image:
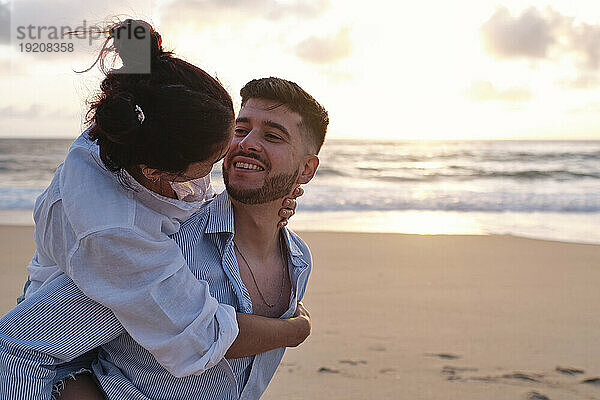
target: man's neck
256 226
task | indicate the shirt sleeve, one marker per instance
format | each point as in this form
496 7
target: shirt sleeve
149 287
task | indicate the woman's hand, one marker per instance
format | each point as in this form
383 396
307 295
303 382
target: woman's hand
289 207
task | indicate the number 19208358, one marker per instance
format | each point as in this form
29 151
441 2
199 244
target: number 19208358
37 47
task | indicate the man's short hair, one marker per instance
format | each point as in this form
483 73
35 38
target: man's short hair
314 116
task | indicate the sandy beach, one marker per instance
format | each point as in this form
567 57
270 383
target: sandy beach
429 317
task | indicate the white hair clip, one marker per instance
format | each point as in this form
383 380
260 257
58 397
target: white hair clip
140 114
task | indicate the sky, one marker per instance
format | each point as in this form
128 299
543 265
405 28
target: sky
404 70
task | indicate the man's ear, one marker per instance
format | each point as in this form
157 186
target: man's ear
311 163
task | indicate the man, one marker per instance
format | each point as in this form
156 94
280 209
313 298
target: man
233 244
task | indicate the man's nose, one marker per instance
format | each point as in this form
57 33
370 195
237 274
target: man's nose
251 142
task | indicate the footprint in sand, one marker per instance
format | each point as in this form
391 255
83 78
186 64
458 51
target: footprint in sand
289 366
536 396
445 356
523 376
452 372
569 370
591 381
328 370
377 348
352 362
489 379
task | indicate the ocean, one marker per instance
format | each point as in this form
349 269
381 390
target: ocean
538 189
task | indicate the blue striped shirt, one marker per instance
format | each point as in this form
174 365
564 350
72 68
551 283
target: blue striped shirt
58 323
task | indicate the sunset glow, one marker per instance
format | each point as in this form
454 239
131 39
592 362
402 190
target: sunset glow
425 70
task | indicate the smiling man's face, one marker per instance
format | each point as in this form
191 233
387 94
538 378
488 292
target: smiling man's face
266 156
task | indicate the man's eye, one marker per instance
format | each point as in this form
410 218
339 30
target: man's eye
241 132
273 137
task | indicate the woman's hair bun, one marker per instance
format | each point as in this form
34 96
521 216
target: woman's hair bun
184 114
117 118
137 43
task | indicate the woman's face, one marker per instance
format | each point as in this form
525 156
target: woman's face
200 169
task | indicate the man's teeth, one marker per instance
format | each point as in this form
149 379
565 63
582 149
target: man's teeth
248 166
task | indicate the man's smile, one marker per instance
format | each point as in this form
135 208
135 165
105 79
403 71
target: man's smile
247 164
242 165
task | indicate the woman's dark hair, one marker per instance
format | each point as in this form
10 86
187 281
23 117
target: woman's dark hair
166 119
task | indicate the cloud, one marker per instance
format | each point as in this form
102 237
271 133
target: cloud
216 11
323 50
528 35
585 80
541 35
32 111
585 40
546 36
485 91
36 110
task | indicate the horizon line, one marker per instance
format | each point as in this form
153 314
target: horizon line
379 139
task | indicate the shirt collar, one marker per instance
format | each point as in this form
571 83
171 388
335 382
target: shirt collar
165 204
294 249
220 215
220 220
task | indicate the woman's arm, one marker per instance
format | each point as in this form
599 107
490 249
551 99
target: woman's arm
146 282
163 306
151 290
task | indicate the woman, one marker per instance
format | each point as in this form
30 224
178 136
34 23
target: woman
126 184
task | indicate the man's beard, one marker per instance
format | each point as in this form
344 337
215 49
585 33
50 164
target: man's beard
275 187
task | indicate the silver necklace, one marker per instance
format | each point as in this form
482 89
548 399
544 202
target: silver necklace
283 259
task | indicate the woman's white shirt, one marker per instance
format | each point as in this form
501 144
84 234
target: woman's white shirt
112 240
